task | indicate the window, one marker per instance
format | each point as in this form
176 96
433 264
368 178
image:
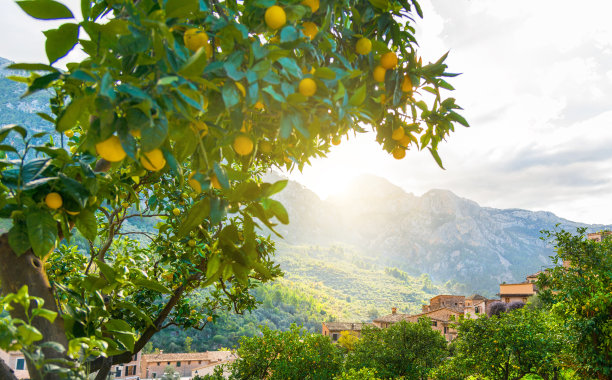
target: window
20 364
445 330
178 364
189 362
334 337
130 370
135 358
507 300
434 323
118 372
199 362
477 309
154 375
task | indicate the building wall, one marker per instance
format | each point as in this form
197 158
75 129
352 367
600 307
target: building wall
514 298
525 288
128 371
456 302
153 368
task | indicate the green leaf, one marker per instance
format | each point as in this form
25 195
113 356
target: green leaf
436 157
45 9
195 216
60 41
213 265
31 67
276 187
195 64
28 334
154 135
42 231
325 73
218 210
278 210
358 97
44 313
454 116
69 117
181 8
152 285
18 238
230 94
137 311
106 270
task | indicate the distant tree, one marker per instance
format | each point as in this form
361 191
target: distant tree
497 308
405 349
581 294
372 313
290 355
170 374
515 305
348 339
510 345
360 374
188 341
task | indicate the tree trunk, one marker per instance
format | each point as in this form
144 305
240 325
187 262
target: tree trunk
6 373
29 270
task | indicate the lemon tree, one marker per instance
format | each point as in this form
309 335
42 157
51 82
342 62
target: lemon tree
176 111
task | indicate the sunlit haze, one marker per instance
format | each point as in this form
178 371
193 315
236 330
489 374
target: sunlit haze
536 88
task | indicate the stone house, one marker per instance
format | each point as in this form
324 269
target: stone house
476 305
389 319
153 365
127 371
441 318
333 329
444 300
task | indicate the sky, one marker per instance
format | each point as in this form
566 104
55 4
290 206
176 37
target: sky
536 87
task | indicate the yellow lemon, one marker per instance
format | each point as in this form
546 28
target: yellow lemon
265 147
111 149
259 105
407 84
202 127
241 88
215 182
398 134
310 29
307 87
195 184
398 153
53 201
243 145
176 211
364 46
336 140
379 73
209 318
125 205
275 17
388 60
195 38
191 242
313 4
405 141
153 160
69 133
73 213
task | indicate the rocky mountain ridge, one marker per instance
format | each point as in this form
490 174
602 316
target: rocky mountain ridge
453 239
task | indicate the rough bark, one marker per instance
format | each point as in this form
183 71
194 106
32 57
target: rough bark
29 270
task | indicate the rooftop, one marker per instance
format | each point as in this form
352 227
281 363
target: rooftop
207 355
344 326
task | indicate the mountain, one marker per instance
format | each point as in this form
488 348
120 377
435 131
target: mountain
458 243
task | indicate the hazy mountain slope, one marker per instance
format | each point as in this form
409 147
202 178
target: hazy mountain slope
439 233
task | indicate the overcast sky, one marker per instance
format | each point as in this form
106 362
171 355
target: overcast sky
536 88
